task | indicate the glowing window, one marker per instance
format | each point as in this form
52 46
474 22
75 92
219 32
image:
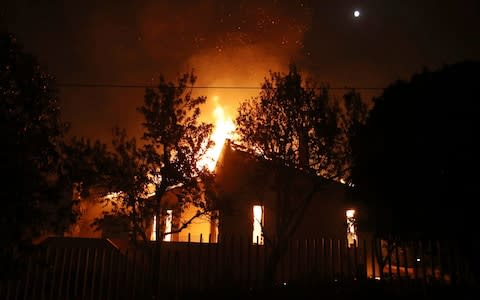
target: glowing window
351 228
168 226
258 224
153 235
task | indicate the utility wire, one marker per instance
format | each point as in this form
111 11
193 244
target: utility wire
136 86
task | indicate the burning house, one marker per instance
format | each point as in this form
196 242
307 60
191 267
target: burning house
247 204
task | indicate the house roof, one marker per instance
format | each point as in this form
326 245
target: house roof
231 150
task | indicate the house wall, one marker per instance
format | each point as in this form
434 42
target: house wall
242 184
199 229
236 195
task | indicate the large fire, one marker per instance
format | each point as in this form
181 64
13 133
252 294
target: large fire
223 130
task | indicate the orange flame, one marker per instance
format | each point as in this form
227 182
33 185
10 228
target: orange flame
223 130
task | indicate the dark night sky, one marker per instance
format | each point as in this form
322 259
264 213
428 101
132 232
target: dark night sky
231 43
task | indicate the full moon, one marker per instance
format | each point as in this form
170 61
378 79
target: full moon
356 13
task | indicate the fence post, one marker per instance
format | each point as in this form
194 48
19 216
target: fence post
199 262
110 274
432 259
456 270
77 273
332 259
207 265
217 259
373 258
290 260
232 267
307 269
397 260
364 271
35 279
324 260
315 261
94 272
127 272
44 272
381 264
240 261
102 273
389 253
298 260
144 271
415 260
350 261
62 273
257 264
69 272
176 272
54 272
27 280
422 255
134 271
17 289
249 261
355 258
165 269
85 273
7 288
440 261
340 259
119 262
405 260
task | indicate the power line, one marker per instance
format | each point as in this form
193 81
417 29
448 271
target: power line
136 86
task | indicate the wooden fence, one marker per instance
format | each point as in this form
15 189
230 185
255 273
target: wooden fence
150 270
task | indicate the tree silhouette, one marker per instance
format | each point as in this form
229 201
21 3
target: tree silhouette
175 143
292 126
132 181
124 185
34 192
416 158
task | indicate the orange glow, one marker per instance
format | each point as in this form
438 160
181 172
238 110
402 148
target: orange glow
258 224
350 213
153 235
352 237
168 226
199 230
223 130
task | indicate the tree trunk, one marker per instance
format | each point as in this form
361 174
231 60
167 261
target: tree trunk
278 251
